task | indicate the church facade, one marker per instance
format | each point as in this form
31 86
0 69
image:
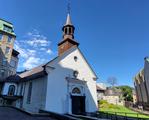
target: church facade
66 84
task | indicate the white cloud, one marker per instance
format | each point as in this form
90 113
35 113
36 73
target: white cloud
49 51
31 52
36 39
32 62
25 53
43 49
37 42
29 33
22 51
34 49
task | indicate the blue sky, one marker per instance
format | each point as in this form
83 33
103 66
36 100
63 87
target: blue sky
113 34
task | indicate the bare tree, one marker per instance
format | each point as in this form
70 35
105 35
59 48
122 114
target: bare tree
112 81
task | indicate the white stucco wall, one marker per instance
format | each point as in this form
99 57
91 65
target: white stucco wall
58 97
6 88
38 95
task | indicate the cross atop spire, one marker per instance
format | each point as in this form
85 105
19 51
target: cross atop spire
68 7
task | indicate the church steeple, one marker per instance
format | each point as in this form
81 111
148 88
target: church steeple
68 28
68 36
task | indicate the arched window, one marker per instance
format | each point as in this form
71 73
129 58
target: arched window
66 30
11 90
76 91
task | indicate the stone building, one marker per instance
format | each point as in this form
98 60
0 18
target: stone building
114 96
134 97
141 83
101 89
111 95
8 56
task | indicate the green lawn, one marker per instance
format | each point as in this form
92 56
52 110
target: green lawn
120 110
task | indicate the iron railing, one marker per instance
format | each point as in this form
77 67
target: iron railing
118 115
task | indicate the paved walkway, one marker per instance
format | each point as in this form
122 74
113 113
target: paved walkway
7 113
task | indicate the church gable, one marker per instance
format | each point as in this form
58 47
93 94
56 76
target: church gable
74 61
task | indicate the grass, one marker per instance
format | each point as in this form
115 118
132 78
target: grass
119 110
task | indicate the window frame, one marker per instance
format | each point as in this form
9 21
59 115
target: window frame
2 71
13 63
9 39
11 90
29 94
7 52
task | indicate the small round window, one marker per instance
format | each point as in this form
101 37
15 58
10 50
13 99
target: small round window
75 58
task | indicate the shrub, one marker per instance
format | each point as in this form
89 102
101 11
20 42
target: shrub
103 102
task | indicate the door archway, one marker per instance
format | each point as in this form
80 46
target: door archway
78 101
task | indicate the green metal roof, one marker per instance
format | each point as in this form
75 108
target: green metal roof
4 23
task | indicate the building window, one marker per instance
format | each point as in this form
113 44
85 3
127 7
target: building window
13 63
29 93
7 50
10 72
76 91
21 89
2 72
75 74
9 39
1 36
4 61
1 101
75 58
11 90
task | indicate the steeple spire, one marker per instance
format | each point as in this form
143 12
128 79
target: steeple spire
68 20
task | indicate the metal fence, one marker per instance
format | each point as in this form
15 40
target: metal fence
118 115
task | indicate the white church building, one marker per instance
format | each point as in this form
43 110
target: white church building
66 84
